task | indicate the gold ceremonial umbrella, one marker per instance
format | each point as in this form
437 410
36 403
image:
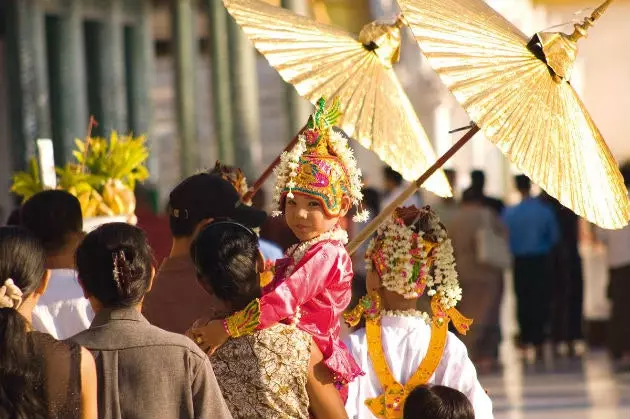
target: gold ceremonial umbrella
323 61
518 91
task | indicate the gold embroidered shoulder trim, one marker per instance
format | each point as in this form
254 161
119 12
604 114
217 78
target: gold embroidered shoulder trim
389 405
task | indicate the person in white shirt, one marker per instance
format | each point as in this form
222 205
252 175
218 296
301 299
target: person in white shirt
401 348
55 217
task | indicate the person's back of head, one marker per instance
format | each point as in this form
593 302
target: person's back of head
206 196
371 200
523 184
14 218
114 263
55 217
437 402
228 262
477 180
393 179
22 268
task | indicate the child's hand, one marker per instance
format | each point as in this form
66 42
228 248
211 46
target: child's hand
209 337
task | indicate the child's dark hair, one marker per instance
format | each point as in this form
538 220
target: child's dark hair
115 264
22 259
437 402
52 216
226 256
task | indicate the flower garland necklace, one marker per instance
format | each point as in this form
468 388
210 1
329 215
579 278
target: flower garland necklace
297 251
408 313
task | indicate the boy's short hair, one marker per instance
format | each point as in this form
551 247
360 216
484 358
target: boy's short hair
52 216
523 183
437 402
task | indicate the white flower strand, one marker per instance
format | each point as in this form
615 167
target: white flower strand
285 172
396 241
408 313
297 251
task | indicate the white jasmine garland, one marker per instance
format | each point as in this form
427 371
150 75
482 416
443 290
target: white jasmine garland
396 242
408 313
297 251
285 172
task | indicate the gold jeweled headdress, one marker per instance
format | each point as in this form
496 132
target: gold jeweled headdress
321 165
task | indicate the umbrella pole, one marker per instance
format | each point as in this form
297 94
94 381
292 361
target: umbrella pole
413 187
268 171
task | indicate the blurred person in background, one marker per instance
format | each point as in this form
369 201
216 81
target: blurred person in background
446 207
533 233
568 284
477 187
371 202
617 244
394 186
481 283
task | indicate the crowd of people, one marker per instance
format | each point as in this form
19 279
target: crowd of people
89 328
91 325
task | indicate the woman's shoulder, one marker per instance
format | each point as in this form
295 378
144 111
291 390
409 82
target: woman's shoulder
49 345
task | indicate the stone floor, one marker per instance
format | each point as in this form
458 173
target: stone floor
579 389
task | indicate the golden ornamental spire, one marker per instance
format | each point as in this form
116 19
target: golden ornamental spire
560 50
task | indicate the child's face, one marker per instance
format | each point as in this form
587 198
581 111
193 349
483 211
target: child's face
307 219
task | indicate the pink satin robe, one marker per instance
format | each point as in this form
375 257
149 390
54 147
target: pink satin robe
320 286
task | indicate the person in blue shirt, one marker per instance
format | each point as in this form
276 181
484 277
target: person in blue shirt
270 250
533 232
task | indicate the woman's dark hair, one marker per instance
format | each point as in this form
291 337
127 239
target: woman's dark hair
115 264
226 256
22 259
437 402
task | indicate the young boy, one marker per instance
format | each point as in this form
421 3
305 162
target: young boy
402 348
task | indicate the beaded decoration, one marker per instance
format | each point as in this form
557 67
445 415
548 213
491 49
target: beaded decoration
321 165
243 322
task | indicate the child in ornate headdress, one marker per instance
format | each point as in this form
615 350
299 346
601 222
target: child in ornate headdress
317 183
400 347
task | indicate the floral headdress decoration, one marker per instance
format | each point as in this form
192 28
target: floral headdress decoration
321 165
413 255
234 175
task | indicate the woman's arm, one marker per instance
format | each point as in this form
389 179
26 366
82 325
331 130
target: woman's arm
89 398
324 398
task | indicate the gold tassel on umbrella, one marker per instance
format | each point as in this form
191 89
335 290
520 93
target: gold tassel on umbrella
323 61
518 93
